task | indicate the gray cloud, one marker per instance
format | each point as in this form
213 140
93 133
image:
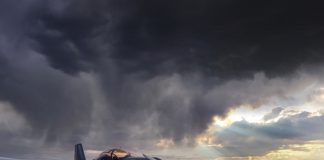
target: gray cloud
55 104
181 106
248 139
275 113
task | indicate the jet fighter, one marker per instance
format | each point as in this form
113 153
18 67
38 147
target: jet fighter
112 154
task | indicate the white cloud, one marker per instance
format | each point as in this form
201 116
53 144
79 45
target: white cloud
10 120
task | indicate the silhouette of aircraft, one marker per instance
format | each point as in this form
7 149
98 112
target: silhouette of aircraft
113 154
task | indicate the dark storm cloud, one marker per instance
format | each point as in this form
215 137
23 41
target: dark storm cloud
56 106
224 38
160 66
246 139
70 41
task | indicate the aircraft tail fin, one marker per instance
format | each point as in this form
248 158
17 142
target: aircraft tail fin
78 152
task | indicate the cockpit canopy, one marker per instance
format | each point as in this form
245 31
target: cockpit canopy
113 154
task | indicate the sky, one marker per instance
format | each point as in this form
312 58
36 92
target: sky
179 79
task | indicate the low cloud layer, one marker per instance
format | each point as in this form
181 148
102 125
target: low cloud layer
253 139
